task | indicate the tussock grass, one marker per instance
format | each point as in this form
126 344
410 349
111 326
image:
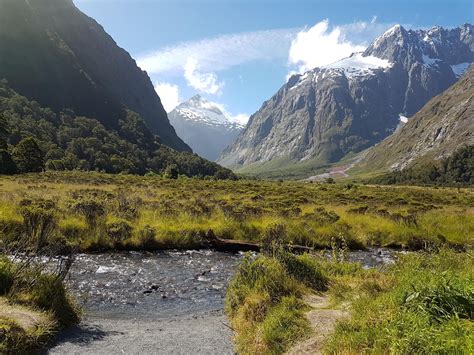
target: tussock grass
26 290
93 211
423 304
264 303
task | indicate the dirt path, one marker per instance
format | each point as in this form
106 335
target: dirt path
322 320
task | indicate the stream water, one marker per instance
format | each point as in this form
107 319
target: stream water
164 302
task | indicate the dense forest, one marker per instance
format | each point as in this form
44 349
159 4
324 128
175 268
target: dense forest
33 138
457 170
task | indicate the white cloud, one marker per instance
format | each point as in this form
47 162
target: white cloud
241 118
205 82
220 53
318 46
169 95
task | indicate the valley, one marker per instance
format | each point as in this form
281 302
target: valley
284 178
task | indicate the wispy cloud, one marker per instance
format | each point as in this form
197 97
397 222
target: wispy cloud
220 53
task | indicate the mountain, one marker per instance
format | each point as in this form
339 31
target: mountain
54 54
203 126
65 141
333 111
442 126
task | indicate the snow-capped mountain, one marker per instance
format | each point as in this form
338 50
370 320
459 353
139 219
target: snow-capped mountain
204 127
328 112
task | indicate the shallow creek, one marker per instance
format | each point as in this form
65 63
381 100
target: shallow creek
164 302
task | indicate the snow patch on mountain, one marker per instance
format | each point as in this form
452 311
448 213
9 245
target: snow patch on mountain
429 62
460 69
359 65
403 119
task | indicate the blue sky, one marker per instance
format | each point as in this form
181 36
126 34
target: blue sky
238 53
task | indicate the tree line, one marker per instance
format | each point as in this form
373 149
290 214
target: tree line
456 170
34 138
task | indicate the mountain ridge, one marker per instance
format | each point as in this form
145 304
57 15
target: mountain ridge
434 133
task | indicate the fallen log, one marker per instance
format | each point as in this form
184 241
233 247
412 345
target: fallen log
231 245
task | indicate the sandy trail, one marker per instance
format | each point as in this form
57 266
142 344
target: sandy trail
322 320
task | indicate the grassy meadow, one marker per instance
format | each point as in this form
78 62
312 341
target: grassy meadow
99 212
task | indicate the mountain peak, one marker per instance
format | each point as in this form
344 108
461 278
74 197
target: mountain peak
203 125
197 102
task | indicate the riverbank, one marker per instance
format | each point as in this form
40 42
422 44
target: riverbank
162 302
422 303
93 212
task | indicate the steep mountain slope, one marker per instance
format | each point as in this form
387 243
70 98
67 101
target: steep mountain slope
204 127
443 125
65 141
51 52
323 115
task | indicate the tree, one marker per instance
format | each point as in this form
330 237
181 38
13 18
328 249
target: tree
28 156
3 132
171 171
7 165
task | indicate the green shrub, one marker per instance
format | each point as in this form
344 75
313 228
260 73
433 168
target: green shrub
39 219
119 231
92 209
265 275
147 238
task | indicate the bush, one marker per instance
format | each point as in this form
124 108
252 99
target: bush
39 221
263 275
147 238
119 231
92 209
274 239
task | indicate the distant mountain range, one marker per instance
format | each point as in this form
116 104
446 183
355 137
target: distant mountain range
204 127
52 53
337 110
442 126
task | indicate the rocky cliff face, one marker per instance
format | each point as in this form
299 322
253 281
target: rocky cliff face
352 104
204 127
51 52
443 125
